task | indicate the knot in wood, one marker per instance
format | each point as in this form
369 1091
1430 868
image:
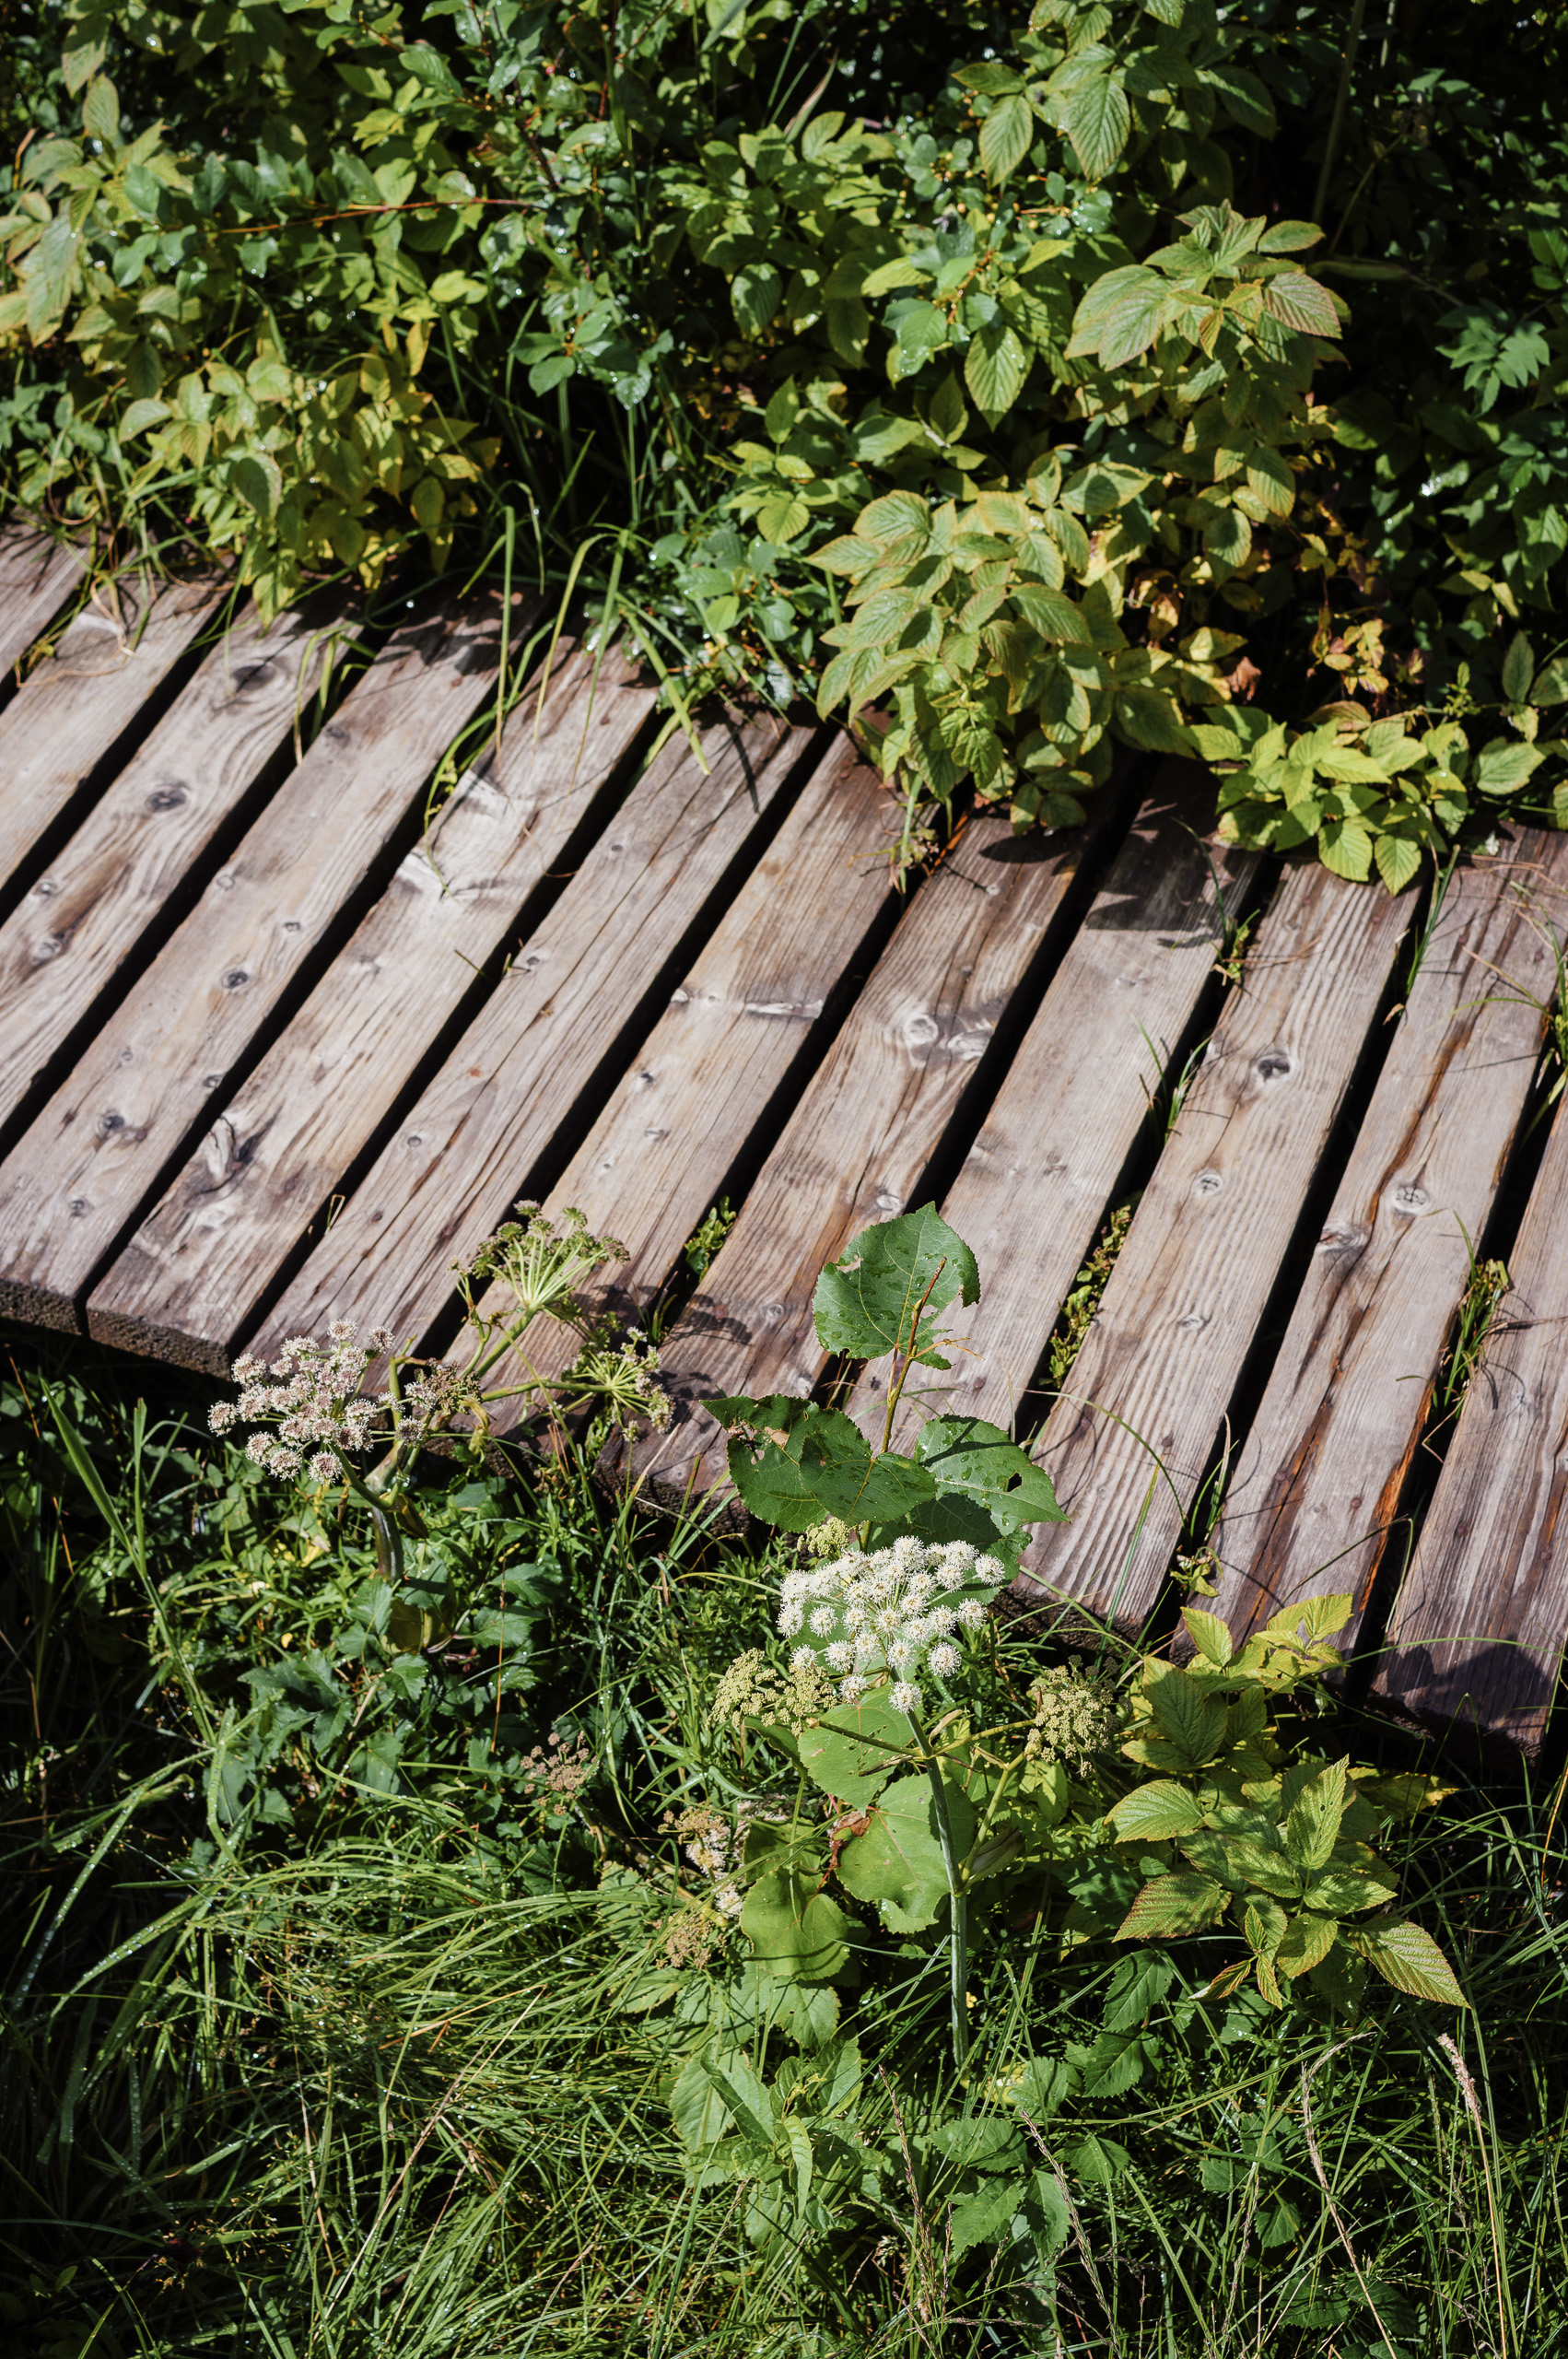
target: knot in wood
919 1030
1409 1198
888 1203
1273 1065
235 980
1208 1182
167 797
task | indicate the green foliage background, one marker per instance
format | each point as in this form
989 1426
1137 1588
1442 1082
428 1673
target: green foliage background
999 367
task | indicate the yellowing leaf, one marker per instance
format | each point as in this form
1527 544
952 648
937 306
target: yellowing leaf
1171 1904
1407 1956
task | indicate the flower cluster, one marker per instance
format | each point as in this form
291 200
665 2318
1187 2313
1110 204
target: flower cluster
751 1690
1075 1717
562 1772
624 1379
892 1610
311 1396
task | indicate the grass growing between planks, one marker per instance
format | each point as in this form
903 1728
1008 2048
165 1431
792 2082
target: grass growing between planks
321 2033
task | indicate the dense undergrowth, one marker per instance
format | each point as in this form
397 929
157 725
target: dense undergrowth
1152 374
328 2025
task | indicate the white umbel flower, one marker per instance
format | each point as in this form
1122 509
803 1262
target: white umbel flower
880 1617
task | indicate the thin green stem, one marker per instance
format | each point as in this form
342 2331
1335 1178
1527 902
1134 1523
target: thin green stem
957 1898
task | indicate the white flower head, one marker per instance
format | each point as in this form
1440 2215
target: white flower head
840 1656
972 1613
990 1568
945 1659
823 1618
906 1696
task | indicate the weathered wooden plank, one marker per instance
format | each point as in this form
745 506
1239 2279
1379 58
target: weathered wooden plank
190 1281
692 1097
864 1131
1317 1482
1128 1445
1038 1180
101 1147
37 576
70 707
1478 1626
60 948
589 976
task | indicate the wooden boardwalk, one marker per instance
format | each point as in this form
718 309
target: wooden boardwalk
286 1033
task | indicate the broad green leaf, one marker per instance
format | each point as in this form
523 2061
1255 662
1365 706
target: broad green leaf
1301 303
1098 120
1051 612
866 1301
1551 684
795 1930
898 518
1518 669
1170 1905
1340 1892
853 1758
966 1455
809 1463
1407 1956
1313 1827
980 2218
1269 479
995 369
1006 135
1288 237
716 2092
754 294
1120 317
1208 1633
1243 1860
100 111
1137 1985
1263 1925
897 1864
948 413
1153 1813
1505 766
1115 2063
1398 860
1306 1943
1187 1713
1227 539
1345 847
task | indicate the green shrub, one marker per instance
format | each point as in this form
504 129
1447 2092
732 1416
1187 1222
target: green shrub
1024 333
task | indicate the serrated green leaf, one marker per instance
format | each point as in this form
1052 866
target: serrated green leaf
1006 135
1137 1985
810 1463
966 1455
1551 686
1153 1813
1187 1713
1170 1905
1505 766
1050 613
1227 539
1518 669
979 2219
866 1301
1345 848
1398 860
1306 1943
1341 1892
1098 121
1300 303
1288 237
1209 1634
1313 1827
1405 1955
995 369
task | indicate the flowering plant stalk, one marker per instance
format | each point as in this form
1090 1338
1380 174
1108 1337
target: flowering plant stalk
313 1422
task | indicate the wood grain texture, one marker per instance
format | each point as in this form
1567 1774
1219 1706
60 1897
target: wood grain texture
60 948
1478 1626
867 1126
1156 1372
37 576
1317 1482
662 1149
189 1283
67 713
462 1152
1037 1183
101 1148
